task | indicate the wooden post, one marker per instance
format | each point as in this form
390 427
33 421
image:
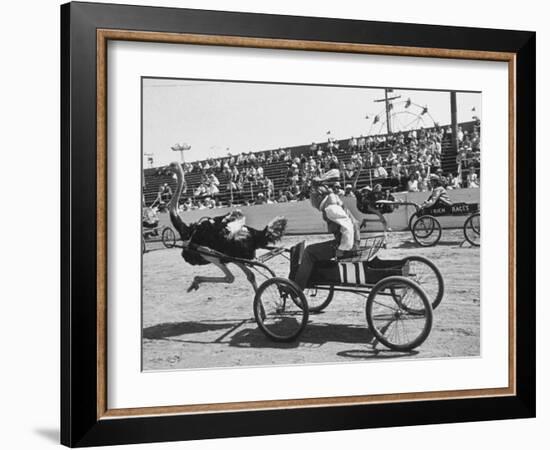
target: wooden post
454 121
388 114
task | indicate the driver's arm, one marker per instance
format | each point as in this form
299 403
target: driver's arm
432 199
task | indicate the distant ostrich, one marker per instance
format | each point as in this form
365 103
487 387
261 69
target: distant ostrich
366 201
226 234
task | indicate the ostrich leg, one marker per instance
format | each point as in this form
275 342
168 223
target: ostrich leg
249 276
381 219
228 278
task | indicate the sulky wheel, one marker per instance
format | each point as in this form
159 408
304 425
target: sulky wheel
168 237
318 299
426 274
392 321
472 229
426 231
413 217
280 309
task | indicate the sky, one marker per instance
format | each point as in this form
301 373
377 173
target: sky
217 117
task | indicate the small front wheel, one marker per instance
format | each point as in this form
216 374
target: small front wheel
394 322
168 237
472 229
426 231
280 309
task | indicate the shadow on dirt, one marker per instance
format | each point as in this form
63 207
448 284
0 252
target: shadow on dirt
167 330
315 334
412 244
374 353
245 334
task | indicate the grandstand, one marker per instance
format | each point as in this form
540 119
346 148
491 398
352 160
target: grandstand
277 170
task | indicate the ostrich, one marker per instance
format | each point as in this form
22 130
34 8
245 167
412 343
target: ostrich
226 234
366 203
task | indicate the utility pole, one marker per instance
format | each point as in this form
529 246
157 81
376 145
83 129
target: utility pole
454 122
387 100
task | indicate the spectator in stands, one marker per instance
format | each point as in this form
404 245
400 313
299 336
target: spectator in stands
412 185
348 191
422 181
460 135
380 172
209 203
164 194
368 159
435 163
456 182
260 199
150 220
290 196
471 179
391 158
396 156
200 190
350 169
282 197
212 185
269 188
295 190
377 160
352 144
361 143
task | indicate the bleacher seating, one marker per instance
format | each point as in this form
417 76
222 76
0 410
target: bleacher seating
277 171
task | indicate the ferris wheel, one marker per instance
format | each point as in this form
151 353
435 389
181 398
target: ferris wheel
400 115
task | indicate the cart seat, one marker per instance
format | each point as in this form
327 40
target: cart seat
358 273
296 253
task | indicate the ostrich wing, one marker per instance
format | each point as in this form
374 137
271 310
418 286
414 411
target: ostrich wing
228 234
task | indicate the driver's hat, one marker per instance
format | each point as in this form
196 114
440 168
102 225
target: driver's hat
323 190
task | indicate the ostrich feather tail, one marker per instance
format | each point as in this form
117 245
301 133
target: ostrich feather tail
275 229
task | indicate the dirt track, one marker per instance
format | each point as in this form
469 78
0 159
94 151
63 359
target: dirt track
214 326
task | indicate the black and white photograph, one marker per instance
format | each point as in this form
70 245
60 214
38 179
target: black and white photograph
293 224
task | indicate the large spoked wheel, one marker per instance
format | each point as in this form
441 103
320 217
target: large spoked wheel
318 299
412 220
426 231
280 309
392 321
426 274
168 237
472 229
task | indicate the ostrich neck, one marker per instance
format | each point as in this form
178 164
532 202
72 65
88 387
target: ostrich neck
174 202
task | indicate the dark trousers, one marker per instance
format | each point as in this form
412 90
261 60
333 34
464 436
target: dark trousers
321 251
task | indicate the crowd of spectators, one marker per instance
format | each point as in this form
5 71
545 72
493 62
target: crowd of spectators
402 161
